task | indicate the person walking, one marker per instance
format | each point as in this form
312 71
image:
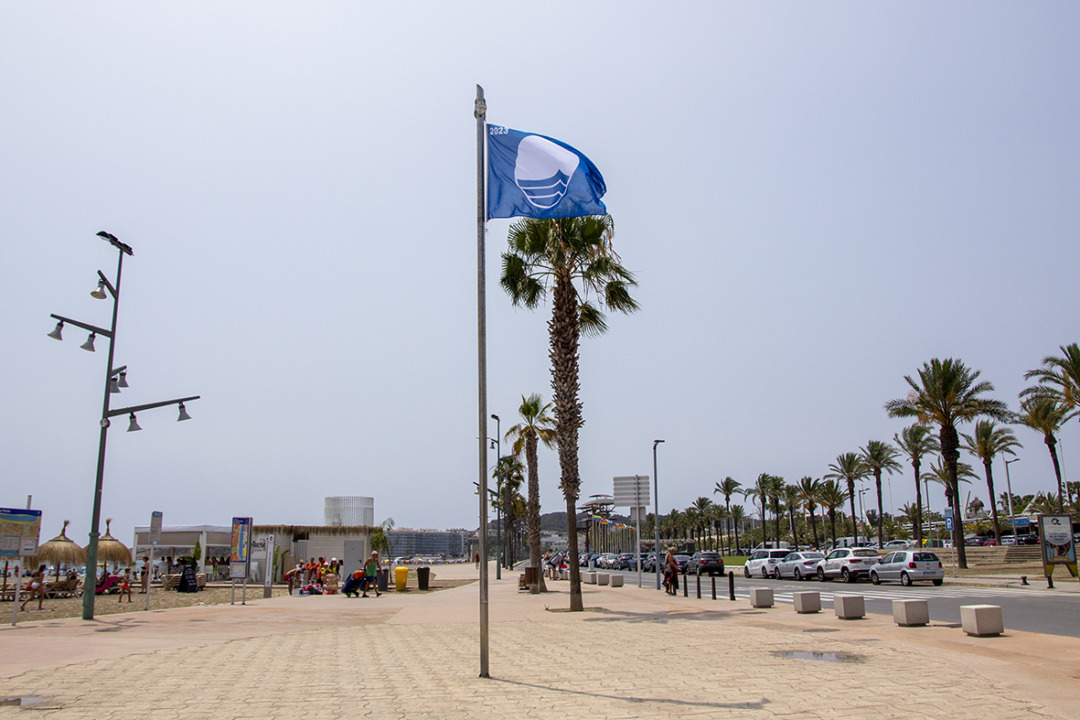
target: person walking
371 574
671 573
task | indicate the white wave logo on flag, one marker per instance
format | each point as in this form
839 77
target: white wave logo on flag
543 170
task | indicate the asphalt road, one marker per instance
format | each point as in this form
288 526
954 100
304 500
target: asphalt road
1033 609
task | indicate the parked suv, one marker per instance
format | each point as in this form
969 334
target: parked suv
762 562
907 566
705 561
847 563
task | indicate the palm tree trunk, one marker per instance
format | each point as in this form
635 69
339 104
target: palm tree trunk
832 525
854 525
918 506
813 528
993 503
776 520
950 444
1051 444
534 512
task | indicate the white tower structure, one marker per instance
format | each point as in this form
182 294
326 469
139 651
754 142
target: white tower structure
350 510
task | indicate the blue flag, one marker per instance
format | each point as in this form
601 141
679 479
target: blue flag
535 176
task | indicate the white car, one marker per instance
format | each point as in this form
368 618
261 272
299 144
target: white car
907 566
847 563
762 562
798 565
896 545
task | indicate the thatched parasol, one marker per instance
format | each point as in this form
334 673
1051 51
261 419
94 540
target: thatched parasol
61 550
110 549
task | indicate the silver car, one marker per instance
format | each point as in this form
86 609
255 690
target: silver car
847 563
798 565
907 566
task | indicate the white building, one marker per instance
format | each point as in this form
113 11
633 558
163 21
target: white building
349 511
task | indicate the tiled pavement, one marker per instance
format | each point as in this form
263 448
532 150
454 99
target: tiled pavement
635 653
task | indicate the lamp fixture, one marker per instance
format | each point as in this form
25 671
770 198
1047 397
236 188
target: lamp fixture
99 293
114 387
122 382
133 426
183 414
89 344
55 334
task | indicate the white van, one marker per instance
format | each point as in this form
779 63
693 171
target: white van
849 541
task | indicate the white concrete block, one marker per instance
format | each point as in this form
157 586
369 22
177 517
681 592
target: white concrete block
761 597
849 607
617 580
589 578
807 602
910 613
602 578
981 620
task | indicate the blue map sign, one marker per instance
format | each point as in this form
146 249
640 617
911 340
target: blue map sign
19 532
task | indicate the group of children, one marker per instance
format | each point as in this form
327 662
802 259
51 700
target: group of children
322 577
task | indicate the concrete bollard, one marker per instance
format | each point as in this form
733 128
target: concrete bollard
981 620
910 613
589 578
849 607
616 581
761 597
807 602
602 578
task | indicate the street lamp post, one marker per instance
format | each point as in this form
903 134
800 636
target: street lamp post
115 378
498 458
498 514
656 515
1008 487
862 516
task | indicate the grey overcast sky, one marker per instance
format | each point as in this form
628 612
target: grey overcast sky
817 198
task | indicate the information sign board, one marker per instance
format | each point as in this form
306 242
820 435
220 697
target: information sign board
155 527
19 532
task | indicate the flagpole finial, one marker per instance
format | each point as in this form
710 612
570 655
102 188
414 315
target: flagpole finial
480 110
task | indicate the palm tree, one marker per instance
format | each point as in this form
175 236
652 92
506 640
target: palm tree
575 259
509 474
1045 413
808 496
791 499
727 488
761 490
948 393
737 517
939 473
832 496
879 456
775 489
1061 377
536 427
702 515
989 441
916 442
851 468
909 513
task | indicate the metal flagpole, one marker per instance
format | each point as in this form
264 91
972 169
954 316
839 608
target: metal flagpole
480 111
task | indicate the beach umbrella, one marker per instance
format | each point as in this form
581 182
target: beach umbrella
61 550
112 550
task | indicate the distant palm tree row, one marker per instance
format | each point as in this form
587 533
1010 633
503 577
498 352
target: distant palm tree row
944 395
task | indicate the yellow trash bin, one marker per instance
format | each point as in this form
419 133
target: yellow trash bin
401 575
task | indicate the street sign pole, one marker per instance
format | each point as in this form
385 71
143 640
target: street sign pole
949 527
